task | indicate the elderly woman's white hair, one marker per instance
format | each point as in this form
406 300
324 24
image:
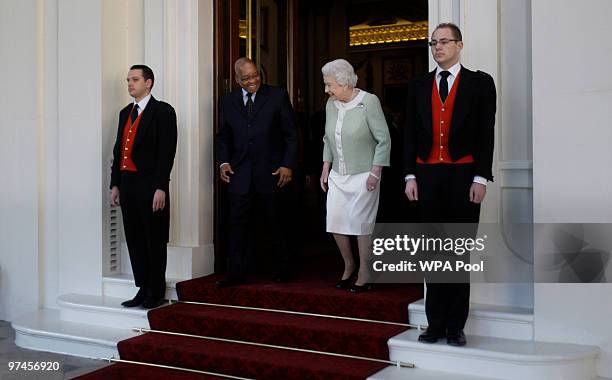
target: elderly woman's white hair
342 71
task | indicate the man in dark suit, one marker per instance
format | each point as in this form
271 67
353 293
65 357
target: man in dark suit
448 153
257 150
142 160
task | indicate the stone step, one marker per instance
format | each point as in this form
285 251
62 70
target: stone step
395 373
100 311
46 331
487 320
497 357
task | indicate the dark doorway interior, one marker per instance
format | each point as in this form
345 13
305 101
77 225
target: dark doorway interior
385 41
358 31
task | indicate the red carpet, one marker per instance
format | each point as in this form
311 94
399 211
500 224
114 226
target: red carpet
305 294
242 360
122 371
313 333
388 302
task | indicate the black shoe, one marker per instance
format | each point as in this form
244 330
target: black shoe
152 302
346 283
228 282
456 338
360 288
430 336
137 300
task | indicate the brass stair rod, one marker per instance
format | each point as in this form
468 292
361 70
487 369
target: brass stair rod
113 360
389 362
419 327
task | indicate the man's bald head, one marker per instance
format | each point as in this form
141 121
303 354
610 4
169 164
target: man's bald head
247 75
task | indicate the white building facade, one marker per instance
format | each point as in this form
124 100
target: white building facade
62 84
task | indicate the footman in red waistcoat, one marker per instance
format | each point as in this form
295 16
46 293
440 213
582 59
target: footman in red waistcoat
448 155
143 157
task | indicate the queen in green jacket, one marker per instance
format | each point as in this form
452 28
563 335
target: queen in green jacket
356 147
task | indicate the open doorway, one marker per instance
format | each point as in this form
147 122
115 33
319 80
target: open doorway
290 40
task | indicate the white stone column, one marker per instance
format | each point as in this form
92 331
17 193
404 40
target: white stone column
81 167
48 152
178 40
121 44
496 36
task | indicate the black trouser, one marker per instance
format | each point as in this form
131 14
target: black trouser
444 197
146 232
273 215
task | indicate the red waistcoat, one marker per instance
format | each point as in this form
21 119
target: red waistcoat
442 116
129 133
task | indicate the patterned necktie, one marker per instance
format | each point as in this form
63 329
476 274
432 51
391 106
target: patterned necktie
444 85
134 113
249 104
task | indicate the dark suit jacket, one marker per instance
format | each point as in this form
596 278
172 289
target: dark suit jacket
472 123
259 145
154 144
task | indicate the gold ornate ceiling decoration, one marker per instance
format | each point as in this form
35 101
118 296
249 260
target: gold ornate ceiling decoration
401 31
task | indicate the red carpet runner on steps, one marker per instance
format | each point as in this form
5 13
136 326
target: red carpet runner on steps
386 302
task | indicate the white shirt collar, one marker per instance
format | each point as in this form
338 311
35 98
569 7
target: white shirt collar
454 70
245 96
142 103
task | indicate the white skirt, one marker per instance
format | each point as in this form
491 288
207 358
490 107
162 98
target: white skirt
351 208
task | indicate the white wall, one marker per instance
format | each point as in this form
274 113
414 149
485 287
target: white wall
20 124
572 94
50 149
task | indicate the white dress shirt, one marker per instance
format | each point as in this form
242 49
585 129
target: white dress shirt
454 72
245 96
142 103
